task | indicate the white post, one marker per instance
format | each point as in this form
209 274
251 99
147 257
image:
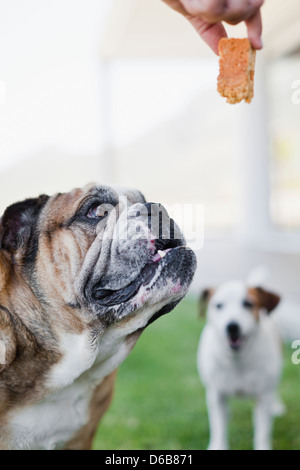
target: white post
255 223
107 169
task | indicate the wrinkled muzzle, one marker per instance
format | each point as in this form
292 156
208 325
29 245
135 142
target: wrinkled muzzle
132 247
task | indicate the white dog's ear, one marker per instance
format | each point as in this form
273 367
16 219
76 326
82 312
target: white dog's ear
265 299
205 297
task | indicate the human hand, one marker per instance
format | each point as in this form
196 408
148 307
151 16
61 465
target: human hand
206 17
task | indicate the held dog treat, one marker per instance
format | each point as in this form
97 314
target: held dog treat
237 62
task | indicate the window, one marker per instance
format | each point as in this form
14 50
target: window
284 121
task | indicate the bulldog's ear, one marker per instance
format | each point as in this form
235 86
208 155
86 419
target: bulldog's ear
205 297
19 221
265 299
8 342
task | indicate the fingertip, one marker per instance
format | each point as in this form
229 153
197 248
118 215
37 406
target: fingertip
254 28
260 44
256 42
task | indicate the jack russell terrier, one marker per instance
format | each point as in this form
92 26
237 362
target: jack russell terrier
240 354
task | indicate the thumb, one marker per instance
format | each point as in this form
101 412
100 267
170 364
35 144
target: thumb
210 33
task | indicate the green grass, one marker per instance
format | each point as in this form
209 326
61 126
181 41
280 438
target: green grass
159 402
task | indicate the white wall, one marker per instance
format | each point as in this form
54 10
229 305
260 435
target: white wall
49 65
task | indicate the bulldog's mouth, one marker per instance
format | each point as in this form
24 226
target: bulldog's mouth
109 298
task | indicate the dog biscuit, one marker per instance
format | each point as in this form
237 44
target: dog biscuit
237 63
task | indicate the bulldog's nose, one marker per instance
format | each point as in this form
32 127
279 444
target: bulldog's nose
154 209
149 207
159 221
162 226
233 330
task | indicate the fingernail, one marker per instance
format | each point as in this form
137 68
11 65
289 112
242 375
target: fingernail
260 43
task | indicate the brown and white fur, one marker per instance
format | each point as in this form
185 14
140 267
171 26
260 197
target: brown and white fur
240 355
81 275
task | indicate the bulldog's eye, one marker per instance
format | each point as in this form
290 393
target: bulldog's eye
97 212
219 306
247 304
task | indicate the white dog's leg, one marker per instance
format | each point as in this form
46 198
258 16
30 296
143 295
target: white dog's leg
278 408
217 414
263 423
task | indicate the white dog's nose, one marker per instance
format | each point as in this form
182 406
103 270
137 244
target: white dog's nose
233 330
234 334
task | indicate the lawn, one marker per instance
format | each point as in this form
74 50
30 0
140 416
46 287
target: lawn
159 402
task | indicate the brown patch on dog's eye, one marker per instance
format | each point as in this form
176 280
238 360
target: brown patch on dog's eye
263 299
248 304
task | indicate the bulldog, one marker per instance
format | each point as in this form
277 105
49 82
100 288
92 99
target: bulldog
82 274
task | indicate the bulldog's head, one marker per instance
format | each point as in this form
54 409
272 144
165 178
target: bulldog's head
104 253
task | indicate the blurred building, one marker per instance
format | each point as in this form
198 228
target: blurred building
241 162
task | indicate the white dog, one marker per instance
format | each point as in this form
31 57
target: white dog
240 354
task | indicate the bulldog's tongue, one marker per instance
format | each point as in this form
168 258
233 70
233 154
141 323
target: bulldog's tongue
159 255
